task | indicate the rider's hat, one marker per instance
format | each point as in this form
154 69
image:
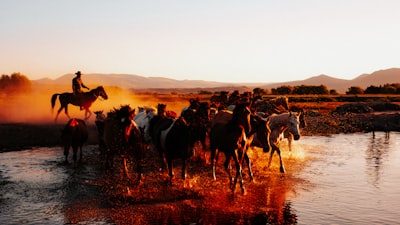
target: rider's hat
78 73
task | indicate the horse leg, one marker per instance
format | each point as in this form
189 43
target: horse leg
213 162
227 166
66 111
163 162
58 113
183 169
281 168
126 167
87 111
66 151
290 139
80 155
75 149
170 171
238 173
271 155
247 159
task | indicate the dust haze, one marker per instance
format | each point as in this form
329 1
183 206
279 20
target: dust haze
35 107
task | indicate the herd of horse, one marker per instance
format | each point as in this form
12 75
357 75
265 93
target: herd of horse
127 134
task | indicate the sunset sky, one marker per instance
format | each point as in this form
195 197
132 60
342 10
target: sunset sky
229 41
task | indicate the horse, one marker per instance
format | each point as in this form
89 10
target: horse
123 138
303 124
276 105
221 100
198 117
83 100
230 138
278 123
258 135
175 143
99 121
142 119
74 135
157 124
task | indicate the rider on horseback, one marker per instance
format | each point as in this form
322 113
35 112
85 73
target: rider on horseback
77 84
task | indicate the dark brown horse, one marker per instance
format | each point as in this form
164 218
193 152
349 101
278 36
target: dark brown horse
83 100
74 135
258 135
230 138
175 143
198 118
123 138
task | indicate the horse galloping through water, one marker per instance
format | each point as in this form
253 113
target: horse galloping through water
230 138
303 124
74 135
123 138
279 123
83 100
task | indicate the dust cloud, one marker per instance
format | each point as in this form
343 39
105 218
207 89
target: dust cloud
35 107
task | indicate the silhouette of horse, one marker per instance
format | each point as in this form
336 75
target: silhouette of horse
230 138
278 123
175 143
74 135
123 138
83 100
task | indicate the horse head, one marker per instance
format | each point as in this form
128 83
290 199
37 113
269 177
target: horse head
99 91
161 109
241 115
261 129
293 125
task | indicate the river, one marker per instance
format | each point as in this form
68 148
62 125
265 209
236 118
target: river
340 179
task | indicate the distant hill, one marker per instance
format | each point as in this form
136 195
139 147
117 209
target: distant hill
158 84
376 78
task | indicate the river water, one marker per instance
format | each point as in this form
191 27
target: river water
341 179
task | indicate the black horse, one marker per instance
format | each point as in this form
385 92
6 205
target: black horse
74 135
83 100
175 144
198 118
123 138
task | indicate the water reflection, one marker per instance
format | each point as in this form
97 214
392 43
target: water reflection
197 200
375 156
341 179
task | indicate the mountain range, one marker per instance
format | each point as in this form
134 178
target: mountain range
141 83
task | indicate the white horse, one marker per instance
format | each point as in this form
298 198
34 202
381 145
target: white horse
142 119
278 124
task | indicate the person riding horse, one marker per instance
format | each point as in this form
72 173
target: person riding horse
77 84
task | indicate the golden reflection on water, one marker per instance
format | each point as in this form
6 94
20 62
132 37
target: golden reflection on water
200 199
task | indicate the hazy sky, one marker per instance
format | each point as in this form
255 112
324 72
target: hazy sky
230 41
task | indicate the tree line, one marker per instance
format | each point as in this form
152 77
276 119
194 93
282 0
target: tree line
15 83
393 88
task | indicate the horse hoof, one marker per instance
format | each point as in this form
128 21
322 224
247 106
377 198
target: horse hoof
282 170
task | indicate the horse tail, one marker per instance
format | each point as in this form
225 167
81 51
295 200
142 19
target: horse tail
53 100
